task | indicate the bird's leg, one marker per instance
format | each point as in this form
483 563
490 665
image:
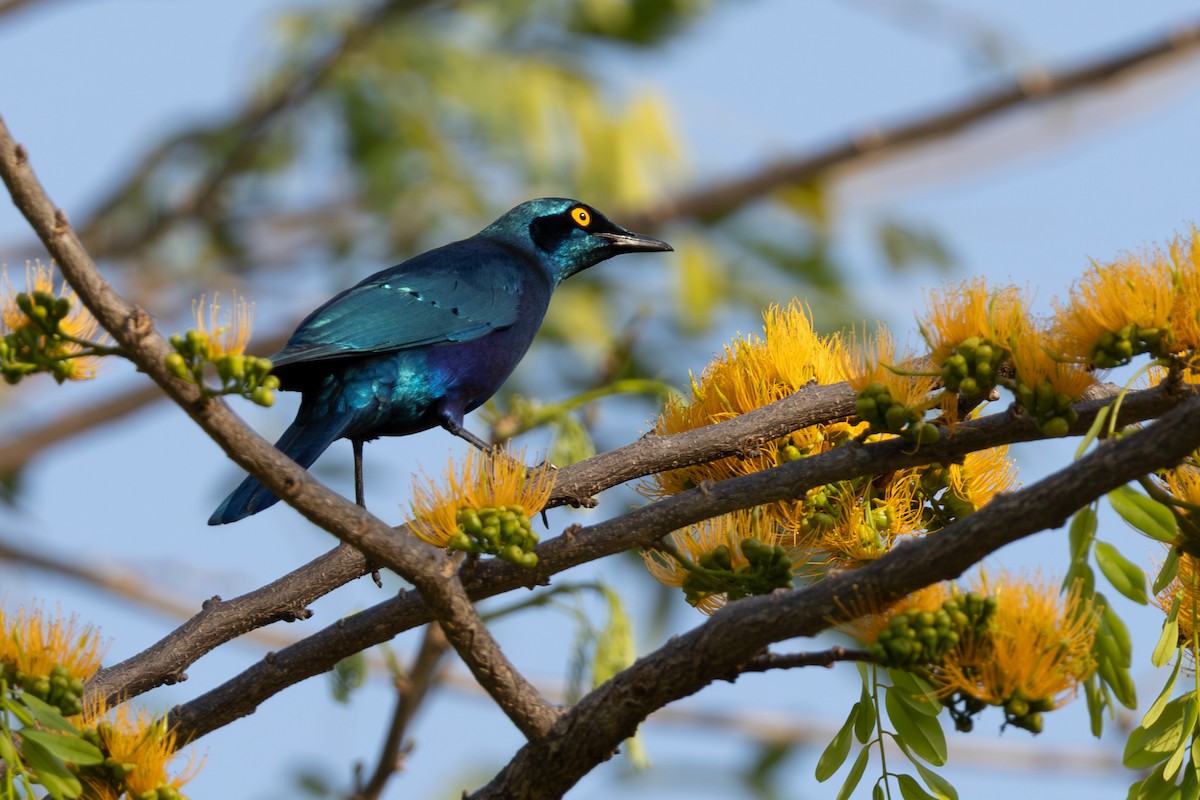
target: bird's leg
360 496
452 421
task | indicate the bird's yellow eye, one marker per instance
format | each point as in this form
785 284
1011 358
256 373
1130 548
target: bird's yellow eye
581 216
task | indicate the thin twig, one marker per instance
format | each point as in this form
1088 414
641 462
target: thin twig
412 690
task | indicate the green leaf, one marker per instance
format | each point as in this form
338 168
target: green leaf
1156 787
855 775
1144 513
1190 787
1189 726
1150 745
917 693
65 746
864 723
911 790
1082 531
940 787
836 751
1093 431
347 676
1153 712
1097 701
51 772
1170 569
920 733
1168 641
1125 576
1117 630
47 716
878 793
615 646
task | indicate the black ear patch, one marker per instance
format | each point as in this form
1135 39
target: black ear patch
549 232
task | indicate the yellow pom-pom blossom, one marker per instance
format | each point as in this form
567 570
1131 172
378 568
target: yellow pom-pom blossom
1035 653
856 525
1119 310
890 401
728 557
491 485
866 627
982 475
753 372
139 748
1185 587
78 323
48 656
224 337
1047 384
1185 317
969 329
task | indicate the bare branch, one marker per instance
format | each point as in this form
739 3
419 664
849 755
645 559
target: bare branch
412 689
318 653
1034 87
589 732
765 662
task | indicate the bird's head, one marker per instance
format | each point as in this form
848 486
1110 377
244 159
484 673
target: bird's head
568 236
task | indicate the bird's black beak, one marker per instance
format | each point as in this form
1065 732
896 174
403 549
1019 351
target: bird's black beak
624 241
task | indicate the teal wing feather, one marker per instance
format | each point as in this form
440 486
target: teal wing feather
426 300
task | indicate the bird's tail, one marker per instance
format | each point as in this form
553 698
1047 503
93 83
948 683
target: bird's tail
303 443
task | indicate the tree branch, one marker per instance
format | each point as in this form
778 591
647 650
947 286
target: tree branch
589 732
411 690
1035 86
642 527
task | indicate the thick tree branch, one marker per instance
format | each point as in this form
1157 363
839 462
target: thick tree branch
318 653
591 731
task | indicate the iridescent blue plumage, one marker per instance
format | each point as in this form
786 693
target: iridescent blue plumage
427 341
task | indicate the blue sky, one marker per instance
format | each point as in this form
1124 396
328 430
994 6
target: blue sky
88 85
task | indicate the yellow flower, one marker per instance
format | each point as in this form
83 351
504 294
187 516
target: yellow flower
1036 359
1037 649
231 337
862 523
1186 586
78 322
982 475
34 643
1185 317
484 481
866 627
870 362
721 549
970 311
139 741
1119 310
753 372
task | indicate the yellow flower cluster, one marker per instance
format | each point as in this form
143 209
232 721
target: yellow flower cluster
47 656
483 506
139 748
1034 655
839 525
1011 642
47 326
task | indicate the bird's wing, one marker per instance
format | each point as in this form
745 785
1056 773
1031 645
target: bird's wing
453 294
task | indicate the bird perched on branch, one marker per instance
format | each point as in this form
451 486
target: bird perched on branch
423 343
